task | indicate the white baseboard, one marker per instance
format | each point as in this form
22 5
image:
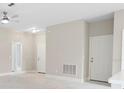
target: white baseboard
10 73
13 73
65 78
30 71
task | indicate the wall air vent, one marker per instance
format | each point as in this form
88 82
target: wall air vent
69 69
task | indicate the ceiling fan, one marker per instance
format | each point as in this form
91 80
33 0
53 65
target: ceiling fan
6 19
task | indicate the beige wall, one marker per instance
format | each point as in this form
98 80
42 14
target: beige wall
117 45
67 43
6 38
104 27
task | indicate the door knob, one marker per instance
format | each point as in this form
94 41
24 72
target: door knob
91 60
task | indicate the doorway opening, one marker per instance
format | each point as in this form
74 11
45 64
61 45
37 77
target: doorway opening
16 56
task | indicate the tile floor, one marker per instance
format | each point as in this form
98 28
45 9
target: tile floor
40 81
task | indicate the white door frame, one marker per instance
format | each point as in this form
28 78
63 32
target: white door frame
41 59
122 57
40 50
14 44
90 54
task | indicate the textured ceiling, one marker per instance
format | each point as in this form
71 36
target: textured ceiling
42 15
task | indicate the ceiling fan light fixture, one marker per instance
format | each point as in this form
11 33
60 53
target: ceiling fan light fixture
5 21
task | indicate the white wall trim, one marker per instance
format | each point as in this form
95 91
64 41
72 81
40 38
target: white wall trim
10 73
14 73
30 71
65 78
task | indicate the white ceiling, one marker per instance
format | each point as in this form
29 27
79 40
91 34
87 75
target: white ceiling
42 15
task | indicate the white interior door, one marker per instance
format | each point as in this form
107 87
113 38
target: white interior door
17 56
41 63
101 57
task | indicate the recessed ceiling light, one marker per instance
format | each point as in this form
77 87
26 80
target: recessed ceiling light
35 31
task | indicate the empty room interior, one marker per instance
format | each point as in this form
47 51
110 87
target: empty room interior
61 46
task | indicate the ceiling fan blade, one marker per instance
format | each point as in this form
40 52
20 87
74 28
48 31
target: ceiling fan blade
15 16
11 4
